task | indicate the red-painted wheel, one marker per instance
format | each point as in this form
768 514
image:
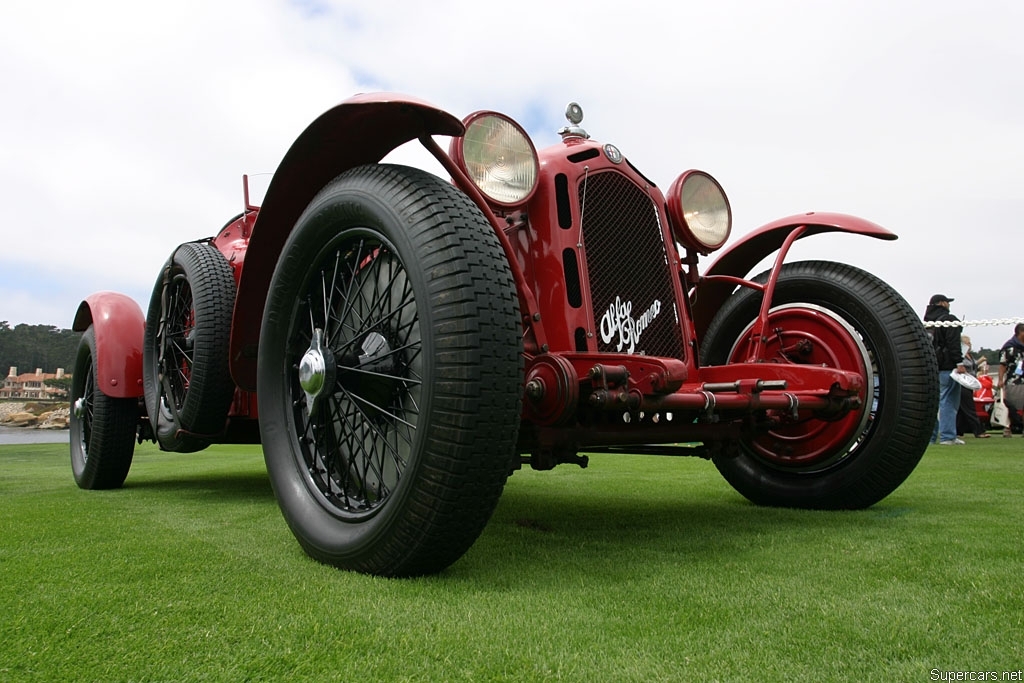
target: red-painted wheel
811 335
837 316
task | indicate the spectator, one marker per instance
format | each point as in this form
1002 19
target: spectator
985 394
1011 376
967 415
946 342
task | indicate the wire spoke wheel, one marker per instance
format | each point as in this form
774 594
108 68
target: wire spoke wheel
389 373
357 385
82 408
175 343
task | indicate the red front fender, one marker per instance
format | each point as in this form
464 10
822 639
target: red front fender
361 130
741 256
120 330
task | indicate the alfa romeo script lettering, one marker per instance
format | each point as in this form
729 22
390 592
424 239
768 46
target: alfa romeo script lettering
618 321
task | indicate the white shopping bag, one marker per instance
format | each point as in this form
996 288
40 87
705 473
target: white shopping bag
1000 414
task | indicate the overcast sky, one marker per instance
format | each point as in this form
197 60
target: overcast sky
125 127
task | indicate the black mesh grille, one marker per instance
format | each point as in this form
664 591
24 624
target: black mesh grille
627 267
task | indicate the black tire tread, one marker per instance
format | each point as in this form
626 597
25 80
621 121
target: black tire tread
206 405
473 420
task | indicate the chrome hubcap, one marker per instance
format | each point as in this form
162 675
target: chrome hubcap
313 369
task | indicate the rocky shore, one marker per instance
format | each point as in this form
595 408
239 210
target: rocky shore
34 415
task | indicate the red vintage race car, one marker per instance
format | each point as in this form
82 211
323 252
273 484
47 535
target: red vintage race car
400 343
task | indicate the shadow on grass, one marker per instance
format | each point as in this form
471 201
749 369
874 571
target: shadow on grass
252 486
533 535
539 529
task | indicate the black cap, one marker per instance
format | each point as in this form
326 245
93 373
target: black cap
938 299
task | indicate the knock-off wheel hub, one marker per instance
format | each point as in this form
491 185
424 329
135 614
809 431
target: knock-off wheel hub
316 369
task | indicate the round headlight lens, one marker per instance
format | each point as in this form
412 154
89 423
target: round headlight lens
498 157
700 212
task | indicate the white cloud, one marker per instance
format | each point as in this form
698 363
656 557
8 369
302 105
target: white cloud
126 126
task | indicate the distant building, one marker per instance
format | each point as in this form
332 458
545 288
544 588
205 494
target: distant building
31 385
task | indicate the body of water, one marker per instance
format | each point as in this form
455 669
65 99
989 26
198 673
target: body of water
22 435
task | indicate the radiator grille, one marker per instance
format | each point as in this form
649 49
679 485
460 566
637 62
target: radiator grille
627 268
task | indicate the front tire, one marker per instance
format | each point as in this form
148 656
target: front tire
102 428
835 315
390 373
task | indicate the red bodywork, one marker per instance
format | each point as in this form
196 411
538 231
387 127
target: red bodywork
360 130
720 278
401 381
120 329
233 242
561 343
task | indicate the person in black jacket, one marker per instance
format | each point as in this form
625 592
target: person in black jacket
946 341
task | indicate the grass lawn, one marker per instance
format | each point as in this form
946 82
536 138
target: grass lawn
636 569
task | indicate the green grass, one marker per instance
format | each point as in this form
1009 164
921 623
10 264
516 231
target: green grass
636 569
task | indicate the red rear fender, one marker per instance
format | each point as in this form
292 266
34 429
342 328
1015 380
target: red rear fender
738 259
361 130
120 330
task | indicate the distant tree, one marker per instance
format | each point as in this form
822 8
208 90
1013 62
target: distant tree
28 347
62 383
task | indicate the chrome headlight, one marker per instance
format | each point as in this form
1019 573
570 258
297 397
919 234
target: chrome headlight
498 157
699 212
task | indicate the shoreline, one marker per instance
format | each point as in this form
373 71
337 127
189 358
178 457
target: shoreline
19 436
34 416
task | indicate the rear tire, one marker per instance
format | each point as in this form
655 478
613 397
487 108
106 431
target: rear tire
187 381
854 321
102 428
390 373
